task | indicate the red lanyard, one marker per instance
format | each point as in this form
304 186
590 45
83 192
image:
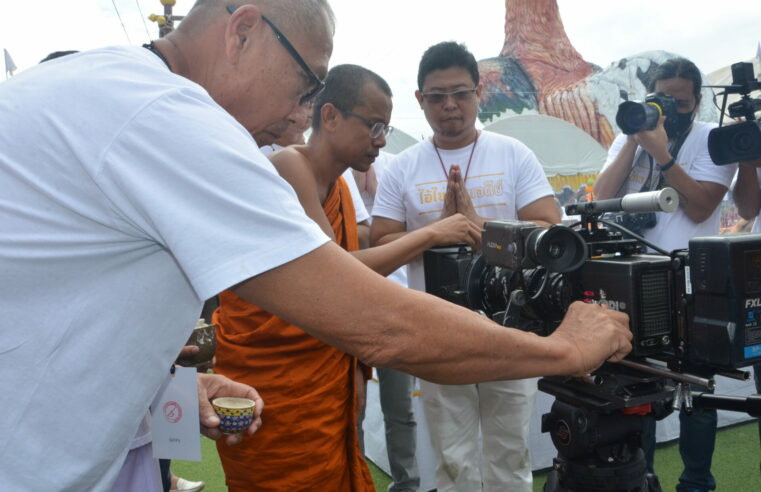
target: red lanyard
470 159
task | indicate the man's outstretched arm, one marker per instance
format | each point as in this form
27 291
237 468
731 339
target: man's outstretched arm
746 193
421 334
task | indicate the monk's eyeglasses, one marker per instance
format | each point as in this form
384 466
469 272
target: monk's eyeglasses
315 83
377 128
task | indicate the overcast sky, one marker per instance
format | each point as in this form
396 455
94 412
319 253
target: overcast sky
390 36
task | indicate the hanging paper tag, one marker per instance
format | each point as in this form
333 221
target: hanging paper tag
174 418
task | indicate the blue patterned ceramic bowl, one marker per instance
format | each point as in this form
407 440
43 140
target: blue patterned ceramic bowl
235 414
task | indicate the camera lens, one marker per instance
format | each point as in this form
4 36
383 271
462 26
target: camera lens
732 143
741 142
633 117
555 249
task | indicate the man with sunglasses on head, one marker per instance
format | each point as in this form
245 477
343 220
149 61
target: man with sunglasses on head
133 190
310 441
482 176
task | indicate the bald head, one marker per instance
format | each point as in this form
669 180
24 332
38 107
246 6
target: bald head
289 15
258 59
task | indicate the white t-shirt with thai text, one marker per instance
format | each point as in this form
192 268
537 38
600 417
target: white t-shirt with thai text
504 176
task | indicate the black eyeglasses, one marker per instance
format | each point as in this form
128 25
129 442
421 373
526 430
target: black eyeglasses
315 83
377 128
440 97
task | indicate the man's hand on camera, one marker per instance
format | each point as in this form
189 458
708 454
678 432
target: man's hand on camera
594 334
655 142
212 386
456 229
753 163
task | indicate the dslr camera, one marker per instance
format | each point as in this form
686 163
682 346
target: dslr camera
740 142
636 116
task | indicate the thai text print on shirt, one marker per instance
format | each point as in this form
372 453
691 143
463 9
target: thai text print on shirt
483 191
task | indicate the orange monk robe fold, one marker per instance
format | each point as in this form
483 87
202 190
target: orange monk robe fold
308 440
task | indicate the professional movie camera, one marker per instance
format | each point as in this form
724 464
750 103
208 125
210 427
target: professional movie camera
635 116
740 142
693 313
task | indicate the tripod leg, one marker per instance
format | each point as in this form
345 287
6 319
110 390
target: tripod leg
553 483
653 484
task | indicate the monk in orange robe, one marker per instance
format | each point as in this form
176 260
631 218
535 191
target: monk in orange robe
308 439
308 387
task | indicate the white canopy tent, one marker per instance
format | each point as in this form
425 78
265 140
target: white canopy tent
561 147
397 141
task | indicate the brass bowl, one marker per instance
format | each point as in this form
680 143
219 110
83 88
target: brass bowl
204 337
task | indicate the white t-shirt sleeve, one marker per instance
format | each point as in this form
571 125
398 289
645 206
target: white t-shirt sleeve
389 197
359 205
614 149
532 184
268 149
215 202
703 168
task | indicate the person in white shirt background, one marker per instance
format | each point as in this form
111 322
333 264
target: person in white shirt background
679 158
481 175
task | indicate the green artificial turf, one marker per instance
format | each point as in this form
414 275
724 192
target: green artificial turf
209 469
735 464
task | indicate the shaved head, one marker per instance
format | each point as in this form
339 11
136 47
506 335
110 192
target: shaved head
258 59
289 15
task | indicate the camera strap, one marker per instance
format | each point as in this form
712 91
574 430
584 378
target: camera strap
674 149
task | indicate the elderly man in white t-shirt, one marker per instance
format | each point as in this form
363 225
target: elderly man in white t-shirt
483 176
679 159
132 191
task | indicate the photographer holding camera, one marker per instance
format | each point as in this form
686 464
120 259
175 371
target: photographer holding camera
674 155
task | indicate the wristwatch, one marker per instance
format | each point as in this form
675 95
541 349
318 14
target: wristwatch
667 166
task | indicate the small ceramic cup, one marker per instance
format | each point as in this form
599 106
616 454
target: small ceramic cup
235 414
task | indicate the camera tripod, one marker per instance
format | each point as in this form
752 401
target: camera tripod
605 455
596 426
